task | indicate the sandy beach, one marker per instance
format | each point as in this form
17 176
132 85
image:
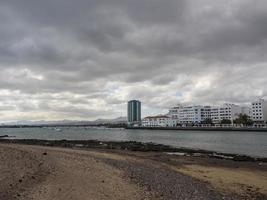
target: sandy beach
47 173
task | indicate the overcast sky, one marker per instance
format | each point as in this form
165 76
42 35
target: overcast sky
83 59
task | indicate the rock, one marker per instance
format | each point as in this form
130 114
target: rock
243 158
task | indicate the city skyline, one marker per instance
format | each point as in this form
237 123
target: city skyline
85 60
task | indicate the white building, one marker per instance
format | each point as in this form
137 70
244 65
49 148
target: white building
174 112
226 111
158 121
186 114
197 114
190 115
259 111
205 113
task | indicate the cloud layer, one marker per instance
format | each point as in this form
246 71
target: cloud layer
83 59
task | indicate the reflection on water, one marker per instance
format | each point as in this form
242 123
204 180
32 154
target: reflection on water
250 143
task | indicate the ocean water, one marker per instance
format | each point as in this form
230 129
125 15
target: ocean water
249 143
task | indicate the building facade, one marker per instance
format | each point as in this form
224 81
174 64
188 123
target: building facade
190 115
158 121
259 111
134 112
205 113
226 111
174 112
198 114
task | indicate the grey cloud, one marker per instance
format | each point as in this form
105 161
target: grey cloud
102 53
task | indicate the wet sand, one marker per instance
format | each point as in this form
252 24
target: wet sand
45 173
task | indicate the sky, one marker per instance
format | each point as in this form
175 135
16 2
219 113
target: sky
84 59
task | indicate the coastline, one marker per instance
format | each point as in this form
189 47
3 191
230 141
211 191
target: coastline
50 170
246 129
136 146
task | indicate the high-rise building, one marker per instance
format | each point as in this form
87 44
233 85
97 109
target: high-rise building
134 112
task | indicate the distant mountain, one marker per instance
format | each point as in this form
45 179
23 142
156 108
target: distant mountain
118 120
111 121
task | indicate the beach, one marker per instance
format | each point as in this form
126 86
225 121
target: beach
42 172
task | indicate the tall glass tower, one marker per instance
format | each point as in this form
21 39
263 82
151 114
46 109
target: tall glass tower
134 112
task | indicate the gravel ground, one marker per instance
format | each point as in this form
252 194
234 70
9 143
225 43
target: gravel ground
36 172
168 184
40 173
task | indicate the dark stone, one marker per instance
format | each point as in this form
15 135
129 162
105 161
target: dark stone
243 158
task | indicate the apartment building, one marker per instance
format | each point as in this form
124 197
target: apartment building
205 113
226 111
158 121
259 111
174 112
190 115
197 114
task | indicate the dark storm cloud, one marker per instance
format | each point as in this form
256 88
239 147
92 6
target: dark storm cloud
85 56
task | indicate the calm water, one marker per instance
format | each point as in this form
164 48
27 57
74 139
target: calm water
250 143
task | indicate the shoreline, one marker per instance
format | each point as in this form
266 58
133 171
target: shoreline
76 172
136 146
245 129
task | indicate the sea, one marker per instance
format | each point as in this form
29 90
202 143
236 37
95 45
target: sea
237 142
